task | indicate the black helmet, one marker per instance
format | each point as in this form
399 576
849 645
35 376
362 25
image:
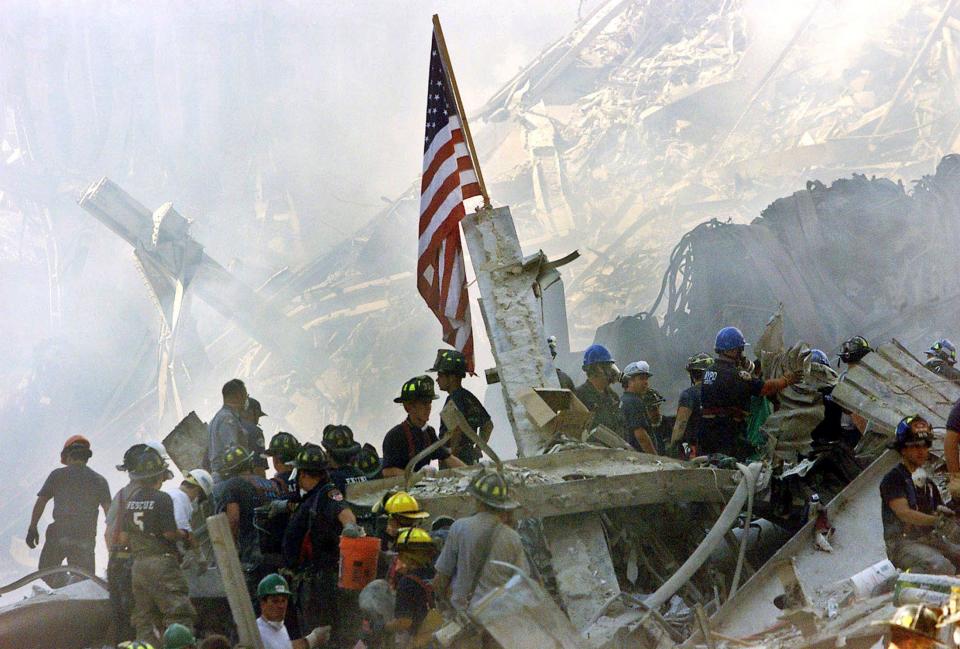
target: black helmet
368 462
854 349
490 488
310 458
149 464
912 431
254 408
234 459
283 446
338 441
130 457
450 361
419 388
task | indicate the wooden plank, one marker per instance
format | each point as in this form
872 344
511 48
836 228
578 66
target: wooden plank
233 582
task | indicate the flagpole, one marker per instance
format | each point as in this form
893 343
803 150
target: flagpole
442 46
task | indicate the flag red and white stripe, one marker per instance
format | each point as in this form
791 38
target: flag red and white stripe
448 179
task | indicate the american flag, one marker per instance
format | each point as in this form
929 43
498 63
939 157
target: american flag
448 179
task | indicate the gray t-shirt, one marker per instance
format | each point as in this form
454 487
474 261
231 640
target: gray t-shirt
460 558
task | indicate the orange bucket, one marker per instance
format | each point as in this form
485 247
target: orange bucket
358 561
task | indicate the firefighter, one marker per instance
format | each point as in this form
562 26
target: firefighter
407 439
77 492
341 450
368 461
725 397
852 425
911 518
689 411
415 618
311 544
942 359
596 393
160 593
451 368
402 510
283 450
466 568
565 381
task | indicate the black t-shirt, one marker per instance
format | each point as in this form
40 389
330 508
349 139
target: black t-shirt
725 401
77 492
346 475
244 491
313 534
690 398
473 411
415 596
605 407
147 516
898 483
405 440
953 419
635 416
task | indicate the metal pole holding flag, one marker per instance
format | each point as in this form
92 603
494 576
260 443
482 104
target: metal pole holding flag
445 57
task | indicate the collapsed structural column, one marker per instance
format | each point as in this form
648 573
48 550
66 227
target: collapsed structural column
511 311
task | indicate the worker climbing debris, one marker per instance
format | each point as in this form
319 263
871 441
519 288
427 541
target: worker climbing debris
451 368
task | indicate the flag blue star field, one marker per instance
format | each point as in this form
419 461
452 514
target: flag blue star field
448 179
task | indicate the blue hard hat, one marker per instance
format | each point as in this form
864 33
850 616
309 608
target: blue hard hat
817 356
913 430
597 354
729 338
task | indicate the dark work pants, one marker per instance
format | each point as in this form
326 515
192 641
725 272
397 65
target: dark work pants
57 546
120 580
317 604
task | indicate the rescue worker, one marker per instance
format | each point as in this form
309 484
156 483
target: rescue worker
466 568
565 381
120 562
341 450
369 462
196 487
689 411
852 352
415 618
274 594
311 544
911 520
239 494
634 409
77 492
160 592
596 393
178 636
451 368
406 440
226 430
253 434
283 450
942 358
725 397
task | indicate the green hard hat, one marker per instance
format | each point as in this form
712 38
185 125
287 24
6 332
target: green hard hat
284 446
178 636
273 584
450 361
419 388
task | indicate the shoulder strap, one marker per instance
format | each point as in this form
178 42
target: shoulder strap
485 547
411 446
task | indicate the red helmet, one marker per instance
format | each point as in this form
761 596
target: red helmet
76 440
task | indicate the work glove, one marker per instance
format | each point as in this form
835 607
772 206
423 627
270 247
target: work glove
277 507
429 470
33 537
317 637
353 531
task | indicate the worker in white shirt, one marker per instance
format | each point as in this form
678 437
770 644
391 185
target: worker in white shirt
274 595
195 487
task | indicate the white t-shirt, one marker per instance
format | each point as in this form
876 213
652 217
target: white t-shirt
273 634
182 507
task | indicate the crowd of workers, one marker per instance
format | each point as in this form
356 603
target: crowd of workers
288 527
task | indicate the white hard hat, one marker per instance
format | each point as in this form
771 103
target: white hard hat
159 448
637 368
202 479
